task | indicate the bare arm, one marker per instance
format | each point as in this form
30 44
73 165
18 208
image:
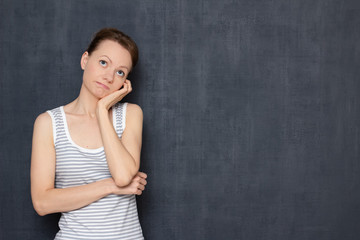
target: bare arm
47 199
123 155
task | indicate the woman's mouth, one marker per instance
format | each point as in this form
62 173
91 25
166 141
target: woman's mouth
103 86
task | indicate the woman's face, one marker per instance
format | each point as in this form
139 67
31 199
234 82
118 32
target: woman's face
106 69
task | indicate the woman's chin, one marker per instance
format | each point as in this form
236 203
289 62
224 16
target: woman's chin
99 93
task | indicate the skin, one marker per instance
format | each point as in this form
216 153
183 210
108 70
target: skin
89 119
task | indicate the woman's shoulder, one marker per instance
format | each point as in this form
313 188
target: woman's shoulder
133 114
133 110
43 125
44 119
134 118
133 107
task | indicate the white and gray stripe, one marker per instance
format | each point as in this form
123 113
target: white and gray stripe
112 217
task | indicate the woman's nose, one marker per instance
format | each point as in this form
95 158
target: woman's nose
109 77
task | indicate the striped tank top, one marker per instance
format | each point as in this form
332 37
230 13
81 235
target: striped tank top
111 217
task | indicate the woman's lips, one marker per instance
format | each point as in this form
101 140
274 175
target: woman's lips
104 86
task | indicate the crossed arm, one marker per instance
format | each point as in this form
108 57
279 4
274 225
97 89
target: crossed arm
124 170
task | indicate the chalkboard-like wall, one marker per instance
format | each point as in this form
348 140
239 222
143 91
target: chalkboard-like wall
251 112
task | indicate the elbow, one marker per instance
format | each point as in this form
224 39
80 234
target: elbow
123 181
40 208
40 213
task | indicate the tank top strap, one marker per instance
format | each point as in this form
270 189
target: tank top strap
57 123
119 117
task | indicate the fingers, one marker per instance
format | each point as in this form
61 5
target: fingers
141 178
128 85
143 181
141 187
142 174
138 188
140 182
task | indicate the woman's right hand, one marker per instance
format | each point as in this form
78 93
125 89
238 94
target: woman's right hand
136 186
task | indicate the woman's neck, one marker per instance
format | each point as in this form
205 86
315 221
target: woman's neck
85 103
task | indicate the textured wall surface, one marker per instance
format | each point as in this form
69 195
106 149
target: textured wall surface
251 112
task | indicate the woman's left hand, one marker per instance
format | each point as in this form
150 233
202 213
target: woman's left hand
112 98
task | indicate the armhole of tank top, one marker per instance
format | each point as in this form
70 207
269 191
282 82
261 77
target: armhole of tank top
53 125
123 116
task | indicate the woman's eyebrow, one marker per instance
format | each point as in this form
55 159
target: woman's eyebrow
107 57
124 67
111 62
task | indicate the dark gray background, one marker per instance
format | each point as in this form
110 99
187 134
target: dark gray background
251 112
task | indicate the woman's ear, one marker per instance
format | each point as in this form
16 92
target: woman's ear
84 59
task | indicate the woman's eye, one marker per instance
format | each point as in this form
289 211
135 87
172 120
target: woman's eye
120 73
102 63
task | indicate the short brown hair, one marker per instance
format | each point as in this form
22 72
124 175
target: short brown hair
117 36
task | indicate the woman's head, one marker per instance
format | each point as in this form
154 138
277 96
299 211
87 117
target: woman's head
108 61
115 35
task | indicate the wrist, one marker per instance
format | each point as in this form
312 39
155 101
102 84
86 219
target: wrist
101 111
109 186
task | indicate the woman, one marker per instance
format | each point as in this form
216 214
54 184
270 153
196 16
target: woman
85 162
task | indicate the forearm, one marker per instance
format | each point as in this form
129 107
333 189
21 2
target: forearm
121 164
68 199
